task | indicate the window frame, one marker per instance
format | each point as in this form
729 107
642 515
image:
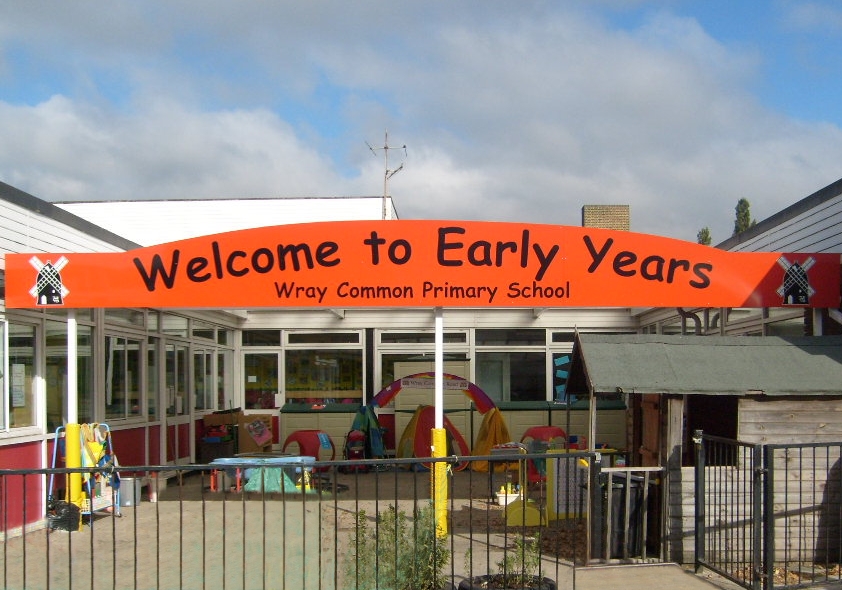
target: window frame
37 382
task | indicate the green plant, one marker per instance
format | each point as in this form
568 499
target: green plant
517 570
519 566
398 552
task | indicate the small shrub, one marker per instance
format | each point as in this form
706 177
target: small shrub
520 566
398 552
518 570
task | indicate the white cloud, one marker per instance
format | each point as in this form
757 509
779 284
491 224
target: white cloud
69 152
814 16
522 112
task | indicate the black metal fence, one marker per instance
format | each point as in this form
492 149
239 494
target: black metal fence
276 522
768 516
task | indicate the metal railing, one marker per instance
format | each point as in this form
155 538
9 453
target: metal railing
769 516
249 524
802 514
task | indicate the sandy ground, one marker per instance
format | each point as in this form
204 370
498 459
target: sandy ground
194 538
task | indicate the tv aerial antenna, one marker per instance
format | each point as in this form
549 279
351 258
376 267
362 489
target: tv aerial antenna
388 172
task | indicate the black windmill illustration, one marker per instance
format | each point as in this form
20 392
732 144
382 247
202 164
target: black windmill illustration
48 289
796 289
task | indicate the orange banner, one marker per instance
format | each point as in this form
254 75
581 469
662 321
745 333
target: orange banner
423 264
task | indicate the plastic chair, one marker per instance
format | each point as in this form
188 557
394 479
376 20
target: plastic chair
311 443
538 439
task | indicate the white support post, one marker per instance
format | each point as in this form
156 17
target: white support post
438 434
72 364
439 369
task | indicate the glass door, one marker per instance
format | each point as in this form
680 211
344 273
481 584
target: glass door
203 380
260 379
177 394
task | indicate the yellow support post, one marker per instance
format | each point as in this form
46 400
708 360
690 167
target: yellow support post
73 458
439 480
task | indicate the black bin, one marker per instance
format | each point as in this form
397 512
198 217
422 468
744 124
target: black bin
622 545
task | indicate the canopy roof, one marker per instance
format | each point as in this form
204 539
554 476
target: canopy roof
711 365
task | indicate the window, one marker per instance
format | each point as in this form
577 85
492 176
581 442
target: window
511 364
512 376
203 389
674 326
174 325
324 375
85 373
743 322
128 317
511 337
561 371
425 360
176 379
422 337
224 379
21 375
260 372
3 371
123 370
82 314
786 322
203 330
153 356
261 337
56 373
324 338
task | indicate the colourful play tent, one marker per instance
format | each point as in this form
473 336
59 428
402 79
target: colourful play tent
416 440
492 432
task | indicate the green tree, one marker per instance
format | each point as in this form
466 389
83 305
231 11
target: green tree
743 220
703 237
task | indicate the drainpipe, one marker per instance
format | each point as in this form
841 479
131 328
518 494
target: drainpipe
691 316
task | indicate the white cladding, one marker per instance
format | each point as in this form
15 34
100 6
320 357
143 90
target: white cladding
157 222
25 230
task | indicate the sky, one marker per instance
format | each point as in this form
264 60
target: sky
517 111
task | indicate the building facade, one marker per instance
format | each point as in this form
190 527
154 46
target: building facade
153 374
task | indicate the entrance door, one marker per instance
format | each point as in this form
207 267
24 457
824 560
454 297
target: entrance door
260 379
204 394
648 430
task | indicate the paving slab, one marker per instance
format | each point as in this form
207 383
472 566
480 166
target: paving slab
645 577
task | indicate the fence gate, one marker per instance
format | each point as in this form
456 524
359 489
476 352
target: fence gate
728 508
769 516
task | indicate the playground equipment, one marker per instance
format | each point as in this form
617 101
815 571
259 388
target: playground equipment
312 443
520 511
84 445
539 439
264 473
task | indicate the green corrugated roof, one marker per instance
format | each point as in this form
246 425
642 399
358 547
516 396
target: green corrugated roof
712 365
